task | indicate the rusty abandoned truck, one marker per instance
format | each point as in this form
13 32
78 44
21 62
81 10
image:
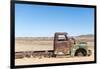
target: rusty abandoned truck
62 46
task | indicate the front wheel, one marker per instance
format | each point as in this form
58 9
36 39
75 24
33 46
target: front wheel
80 52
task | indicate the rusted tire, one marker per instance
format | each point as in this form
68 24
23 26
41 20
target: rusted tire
81 52
28 56
19 55
54 55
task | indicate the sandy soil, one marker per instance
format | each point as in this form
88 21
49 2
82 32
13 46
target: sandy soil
33 61
33 45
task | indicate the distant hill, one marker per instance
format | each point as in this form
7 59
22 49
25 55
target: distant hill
88 37
34 38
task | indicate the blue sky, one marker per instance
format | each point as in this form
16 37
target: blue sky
43 21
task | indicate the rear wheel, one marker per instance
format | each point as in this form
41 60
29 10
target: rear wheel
27 55
80 52
54 55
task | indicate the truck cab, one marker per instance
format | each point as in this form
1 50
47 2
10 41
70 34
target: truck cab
68 46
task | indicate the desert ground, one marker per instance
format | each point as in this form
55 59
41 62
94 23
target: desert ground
42 43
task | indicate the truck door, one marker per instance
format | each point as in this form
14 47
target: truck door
61 45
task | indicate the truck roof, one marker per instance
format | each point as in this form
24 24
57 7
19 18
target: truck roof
61 33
